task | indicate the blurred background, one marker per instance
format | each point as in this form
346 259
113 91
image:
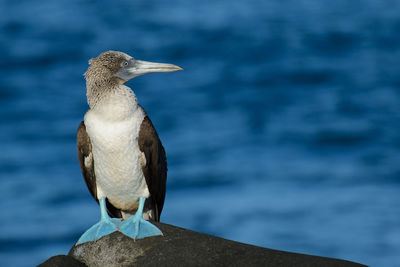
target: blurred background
281 132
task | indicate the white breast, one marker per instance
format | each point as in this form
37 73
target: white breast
113 128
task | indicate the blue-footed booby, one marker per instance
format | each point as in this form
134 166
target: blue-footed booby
121 156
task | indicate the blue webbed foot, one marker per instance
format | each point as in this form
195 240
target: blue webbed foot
100 229
136 227
105 226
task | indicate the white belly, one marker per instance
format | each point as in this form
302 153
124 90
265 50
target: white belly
117 159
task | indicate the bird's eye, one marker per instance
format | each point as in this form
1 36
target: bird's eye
125 63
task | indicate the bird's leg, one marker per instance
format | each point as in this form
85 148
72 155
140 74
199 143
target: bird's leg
105 226
136 227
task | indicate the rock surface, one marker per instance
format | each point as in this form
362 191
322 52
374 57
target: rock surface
182 247
62 261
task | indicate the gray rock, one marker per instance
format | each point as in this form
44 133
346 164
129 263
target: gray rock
182 247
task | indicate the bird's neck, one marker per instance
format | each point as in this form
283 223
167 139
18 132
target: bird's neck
112 101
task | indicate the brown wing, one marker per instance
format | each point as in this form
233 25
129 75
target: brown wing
86 161
155 170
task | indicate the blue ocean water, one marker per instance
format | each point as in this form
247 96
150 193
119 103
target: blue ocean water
282 132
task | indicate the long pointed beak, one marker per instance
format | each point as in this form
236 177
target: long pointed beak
144 67
140 67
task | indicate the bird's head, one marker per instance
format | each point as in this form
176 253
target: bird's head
117 65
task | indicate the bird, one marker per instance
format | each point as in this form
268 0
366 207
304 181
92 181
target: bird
122 159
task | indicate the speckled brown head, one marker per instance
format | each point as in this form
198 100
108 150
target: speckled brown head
113 67
109 60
